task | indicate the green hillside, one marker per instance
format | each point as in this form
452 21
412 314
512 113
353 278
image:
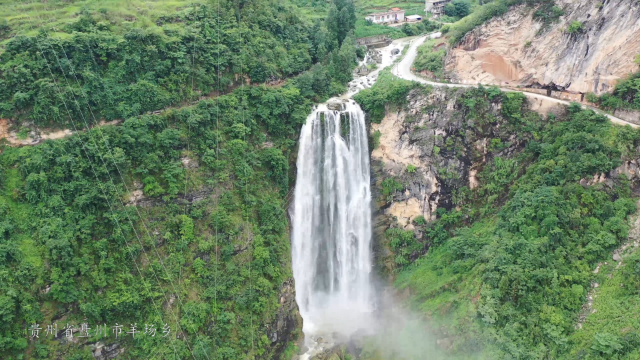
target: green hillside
175 217
505 270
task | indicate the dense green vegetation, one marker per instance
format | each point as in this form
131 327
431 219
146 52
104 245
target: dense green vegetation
198 51
431 59
54 15
368 28
505 270
365 28
458 8
612 329
626 95
206 249
388 91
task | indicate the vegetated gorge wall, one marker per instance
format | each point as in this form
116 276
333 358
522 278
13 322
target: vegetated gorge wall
420 145
517 50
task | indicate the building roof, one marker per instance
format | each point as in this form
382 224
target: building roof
392 11
395 9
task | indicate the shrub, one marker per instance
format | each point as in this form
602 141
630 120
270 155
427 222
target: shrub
404 245
575 27
592 98
376 139
389 186
387 89
428 59
411 169
419 220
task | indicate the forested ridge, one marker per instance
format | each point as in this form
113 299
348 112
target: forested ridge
175 217
202 49
504 271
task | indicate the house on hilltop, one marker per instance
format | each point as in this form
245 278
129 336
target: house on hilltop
435 7
394 15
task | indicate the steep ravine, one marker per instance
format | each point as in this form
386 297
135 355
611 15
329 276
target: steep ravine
435 150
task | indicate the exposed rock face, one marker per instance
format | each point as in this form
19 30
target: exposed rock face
101 351
287 322
630 169
515 49
433 149
336 105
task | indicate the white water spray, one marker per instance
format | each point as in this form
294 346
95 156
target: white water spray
332 223
331 218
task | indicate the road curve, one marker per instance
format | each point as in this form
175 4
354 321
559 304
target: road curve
402 70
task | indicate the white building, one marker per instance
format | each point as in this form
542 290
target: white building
435 7
392 16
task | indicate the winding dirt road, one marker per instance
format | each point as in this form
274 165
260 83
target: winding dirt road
403 70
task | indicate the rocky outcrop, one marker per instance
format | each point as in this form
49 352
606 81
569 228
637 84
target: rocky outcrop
285 328
434 149
517 49
101 351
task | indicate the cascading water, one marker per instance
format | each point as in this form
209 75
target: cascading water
331 219
332 222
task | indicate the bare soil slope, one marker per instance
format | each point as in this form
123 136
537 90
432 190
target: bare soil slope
515 49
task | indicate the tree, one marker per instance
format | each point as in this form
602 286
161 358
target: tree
458 8
341 19
342 61
332 22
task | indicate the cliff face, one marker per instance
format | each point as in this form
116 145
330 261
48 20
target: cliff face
288 323
515 49
433 150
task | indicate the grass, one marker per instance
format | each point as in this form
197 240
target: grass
479 14
410 7
617 311
26 17
365 7
30 251
364 30
447 295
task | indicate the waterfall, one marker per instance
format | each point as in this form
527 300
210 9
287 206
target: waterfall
331 218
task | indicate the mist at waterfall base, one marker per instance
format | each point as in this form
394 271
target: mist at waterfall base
339 298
